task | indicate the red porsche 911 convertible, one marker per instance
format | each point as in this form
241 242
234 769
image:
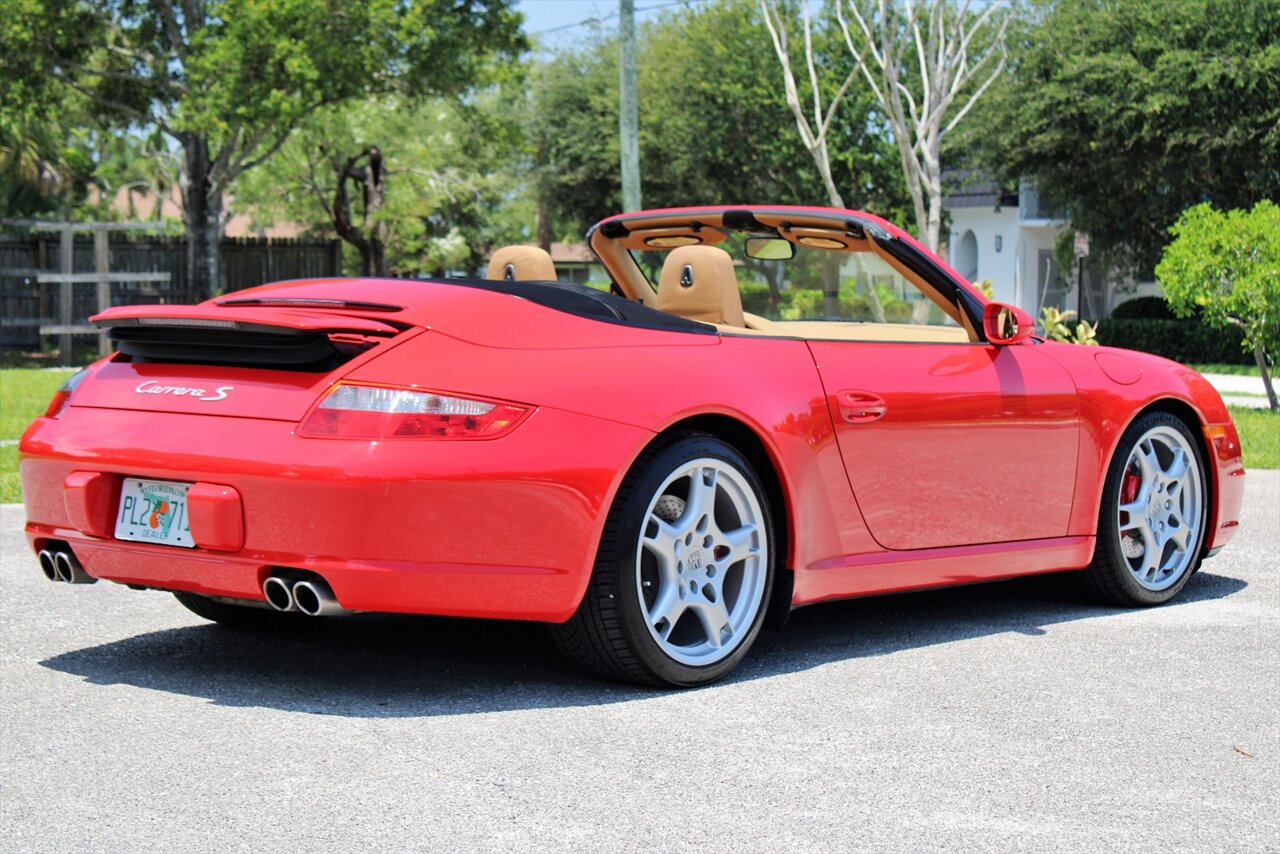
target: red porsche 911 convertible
654 471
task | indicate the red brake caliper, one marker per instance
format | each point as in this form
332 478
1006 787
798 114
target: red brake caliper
1130 544
1129 487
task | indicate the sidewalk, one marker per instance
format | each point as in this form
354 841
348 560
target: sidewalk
1241 391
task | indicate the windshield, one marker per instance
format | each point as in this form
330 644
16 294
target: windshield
818 285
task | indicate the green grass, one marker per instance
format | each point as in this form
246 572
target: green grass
24 394
1232 370
10 491
1259 431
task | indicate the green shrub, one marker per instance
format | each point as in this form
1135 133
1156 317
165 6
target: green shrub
756 299
803 303
1059 325
1180 340
1143 308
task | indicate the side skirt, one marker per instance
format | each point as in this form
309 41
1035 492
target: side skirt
894 571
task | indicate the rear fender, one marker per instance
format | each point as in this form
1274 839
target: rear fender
769 385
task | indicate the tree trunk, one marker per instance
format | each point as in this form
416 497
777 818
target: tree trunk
814 139
344 225
831 284
1260 356
203 214
375 192
542 223
930 230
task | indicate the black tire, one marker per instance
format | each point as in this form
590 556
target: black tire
237 616
610 635
1110 577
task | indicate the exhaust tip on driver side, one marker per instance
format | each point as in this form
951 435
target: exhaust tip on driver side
279 594
67 568
315 599
47 565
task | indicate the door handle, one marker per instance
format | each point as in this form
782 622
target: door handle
859 407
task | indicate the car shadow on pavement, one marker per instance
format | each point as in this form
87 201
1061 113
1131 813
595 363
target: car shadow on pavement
375 666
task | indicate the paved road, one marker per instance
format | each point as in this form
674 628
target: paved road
1007 716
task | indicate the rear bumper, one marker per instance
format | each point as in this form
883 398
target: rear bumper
506 528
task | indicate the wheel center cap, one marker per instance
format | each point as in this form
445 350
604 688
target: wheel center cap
695 559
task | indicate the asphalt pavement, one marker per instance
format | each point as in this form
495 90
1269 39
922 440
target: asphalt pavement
994 717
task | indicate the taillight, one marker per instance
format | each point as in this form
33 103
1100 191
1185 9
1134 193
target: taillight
377 412
62 396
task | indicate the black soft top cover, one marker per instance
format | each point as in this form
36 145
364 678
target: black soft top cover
588 302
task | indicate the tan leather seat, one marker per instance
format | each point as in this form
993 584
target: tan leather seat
521 264
699 282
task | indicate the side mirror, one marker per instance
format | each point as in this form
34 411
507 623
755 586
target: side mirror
1006 324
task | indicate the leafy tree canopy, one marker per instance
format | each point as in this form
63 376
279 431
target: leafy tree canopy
1126 112
447 191
228 80
243 72
1226 268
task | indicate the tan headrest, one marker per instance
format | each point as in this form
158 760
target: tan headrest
699 282
521 264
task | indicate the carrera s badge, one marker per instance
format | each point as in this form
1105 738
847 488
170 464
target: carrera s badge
153 387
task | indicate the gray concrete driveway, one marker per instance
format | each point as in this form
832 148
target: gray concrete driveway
1005 716
1247 391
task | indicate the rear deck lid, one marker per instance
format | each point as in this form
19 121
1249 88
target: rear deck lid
249 361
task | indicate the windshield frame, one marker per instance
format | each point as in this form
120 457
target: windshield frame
925 271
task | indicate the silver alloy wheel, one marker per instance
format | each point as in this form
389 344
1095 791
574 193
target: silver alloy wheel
701 562
1160 508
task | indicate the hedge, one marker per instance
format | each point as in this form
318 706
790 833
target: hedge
1144 308
800 303
1181 340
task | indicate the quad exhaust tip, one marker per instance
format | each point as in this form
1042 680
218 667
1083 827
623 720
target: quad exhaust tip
315 599
312 597
47 565
279 594
59 565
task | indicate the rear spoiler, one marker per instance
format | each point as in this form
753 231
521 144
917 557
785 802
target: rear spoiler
274 320
253 337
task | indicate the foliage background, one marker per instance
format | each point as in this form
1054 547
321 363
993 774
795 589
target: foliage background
1127 112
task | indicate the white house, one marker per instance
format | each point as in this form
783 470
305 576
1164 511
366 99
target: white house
1008 238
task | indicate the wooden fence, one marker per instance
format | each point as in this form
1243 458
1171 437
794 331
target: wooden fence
26 305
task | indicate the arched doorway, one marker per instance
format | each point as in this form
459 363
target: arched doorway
966 257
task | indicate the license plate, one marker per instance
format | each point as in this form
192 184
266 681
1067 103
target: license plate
154 511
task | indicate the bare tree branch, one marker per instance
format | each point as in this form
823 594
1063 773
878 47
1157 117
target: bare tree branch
940 35
159 82
127 110
815 141
814 136
244 163
171 29
813 72
218 177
